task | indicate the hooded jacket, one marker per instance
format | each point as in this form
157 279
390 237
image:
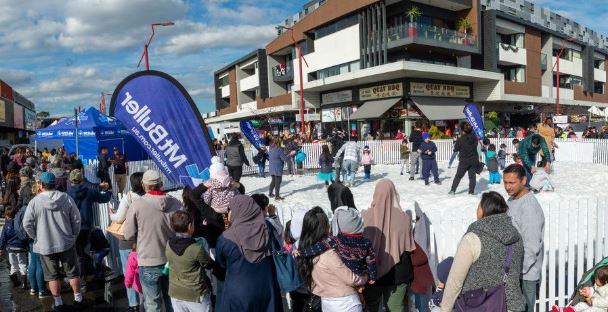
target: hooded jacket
187 262
52 220
9 238
84 197
466 147
149 221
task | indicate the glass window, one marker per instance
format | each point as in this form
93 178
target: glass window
224 81
598 87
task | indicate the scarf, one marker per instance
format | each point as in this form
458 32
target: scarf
248 229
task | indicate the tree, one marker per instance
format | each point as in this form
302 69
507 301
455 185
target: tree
464 24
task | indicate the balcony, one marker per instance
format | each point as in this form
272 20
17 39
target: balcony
434 36
225 91
573 67
599 75
452 5
282 73
511 55
250 83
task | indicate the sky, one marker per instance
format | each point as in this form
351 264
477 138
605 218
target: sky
63 54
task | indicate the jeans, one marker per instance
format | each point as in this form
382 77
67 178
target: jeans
529 290
35 274
187 306
261 169
349 169
131 293
83 239
414 161
528 175
389 296
428 166
422 302
155 288
502 163
368 171
452 158
494 177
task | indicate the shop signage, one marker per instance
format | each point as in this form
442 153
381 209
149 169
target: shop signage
439 89
18 116
337 97
309 117
30 120
560 119
381 91
331 114
2 111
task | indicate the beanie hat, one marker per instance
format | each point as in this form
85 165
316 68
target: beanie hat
47 178
426 136
348 220
26 172
443 269
76 176
217 169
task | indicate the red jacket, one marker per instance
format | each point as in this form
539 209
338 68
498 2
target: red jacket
423 277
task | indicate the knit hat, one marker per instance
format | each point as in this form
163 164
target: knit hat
348 220
30 161
217 169
26 172
47 178
76 176
426 136
443 269
151 177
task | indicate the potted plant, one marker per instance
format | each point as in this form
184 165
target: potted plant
412 13
464 25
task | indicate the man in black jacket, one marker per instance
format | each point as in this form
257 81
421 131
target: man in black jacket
415 139
235 158
468 159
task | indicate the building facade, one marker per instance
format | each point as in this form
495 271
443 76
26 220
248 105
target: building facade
379 65
17 116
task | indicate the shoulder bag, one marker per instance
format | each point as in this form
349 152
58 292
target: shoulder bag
288 276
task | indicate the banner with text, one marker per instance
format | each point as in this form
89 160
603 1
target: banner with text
472 114
162 117
251 133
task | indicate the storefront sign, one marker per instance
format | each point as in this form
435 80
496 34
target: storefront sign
382 91
331 114
439 89
309 117
30 120
560 119
18 116
2 111
337 97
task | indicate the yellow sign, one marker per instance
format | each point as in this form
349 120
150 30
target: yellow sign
2 111
382 91
439 89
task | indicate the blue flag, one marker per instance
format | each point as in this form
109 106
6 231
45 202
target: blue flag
162 117
251 133
472 114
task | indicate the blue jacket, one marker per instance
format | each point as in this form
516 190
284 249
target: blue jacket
326 162
85 197
428 147
9 237
277 158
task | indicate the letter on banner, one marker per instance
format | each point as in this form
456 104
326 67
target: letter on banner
250 133
162 117
472 114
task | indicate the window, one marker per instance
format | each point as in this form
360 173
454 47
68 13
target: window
334 71
599 64
516 40
514 73
568 82
598 87
336 26
224 81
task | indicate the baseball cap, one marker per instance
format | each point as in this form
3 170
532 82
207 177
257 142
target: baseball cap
47 178
76 176
151 177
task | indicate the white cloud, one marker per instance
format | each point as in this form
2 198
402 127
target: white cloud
15 77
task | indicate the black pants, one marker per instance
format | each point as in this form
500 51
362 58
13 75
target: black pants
82 240
275 185
462 169
235 172
338 169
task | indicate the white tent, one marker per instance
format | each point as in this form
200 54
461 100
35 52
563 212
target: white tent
595 111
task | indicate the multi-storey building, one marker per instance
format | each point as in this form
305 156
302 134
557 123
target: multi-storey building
381 64
17 116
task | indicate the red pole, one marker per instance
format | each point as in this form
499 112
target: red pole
301 95
557 98
146 56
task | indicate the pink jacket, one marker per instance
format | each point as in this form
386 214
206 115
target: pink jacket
367 159
132 273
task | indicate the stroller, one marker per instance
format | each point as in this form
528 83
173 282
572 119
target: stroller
586 281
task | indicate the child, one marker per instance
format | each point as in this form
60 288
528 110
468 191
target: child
326 162
492 163
404 155
540 182
287 237
132 273
16 248
516 144
219 190
367 161
100 248
188 285
427 152
517 160
261 159
502 156
443 271
596 298
355 250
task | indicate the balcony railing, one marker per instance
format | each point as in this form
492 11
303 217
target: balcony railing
432 33
282 72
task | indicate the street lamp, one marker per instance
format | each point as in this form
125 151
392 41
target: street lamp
300 59
559 54
145 54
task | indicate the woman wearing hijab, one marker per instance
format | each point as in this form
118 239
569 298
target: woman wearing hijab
243 250
423 283
390 231
339 196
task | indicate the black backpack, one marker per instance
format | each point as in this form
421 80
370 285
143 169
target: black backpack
18 224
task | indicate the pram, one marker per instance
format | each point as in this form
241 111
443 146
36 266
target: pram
588 280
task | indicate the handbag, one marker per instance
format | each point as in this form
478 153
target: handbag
490 299
288 276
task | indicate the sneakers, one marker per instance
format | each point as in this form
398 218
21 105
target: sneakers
438 182
558 309
279 198
401 172
411 178
61 308
44 294
82 305
135 308
33 292
452 193
426 183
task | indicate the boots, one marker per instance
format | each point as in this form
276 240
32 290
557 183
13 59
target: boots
15 280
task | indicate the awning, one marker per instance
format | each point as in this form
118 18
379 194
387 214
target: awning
374 109
440 108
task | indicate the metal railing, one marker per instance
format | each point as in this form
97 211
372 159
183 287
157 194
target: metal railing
428 32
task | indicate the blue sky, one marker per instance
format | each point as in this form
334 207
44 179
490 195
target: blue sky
63 54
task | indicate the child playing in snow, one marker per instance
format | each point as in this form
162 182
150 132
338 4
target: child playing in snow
367 161
404 155
596 298
16 247
219 189
355 250
443 271
502 156
326 162
132 272
427 151
492 163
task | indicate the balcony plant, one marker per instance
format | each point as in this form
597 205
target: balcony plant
464 25
412 14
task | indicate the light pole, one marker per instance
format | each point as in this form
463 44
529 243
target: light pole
559 54
145 54
300 59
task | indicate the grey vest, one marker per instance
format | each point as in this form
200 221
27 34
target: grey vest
488 270
233 156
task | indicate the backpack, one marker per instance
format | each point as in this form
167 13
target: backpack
18 225
288 276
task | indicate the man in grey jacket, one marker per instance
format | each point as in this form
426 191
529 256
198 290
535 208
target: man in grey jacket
149 221
235 158
52 220
529 219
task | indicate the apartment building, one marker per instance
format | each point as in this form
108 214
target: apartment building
381 65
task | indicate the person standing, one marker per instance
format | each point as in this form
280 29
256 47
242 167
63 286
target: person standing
326 163
276 159
529 219
404 155
103 166
52 220
336 143
119 161
468 158
399 136
4 160
548 133
454 152
528 149
427 151
350 153
261 158
149 221
415 139
235 158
